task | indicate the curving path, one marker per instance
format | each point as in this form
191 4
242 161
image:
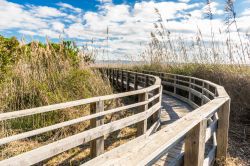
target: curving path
173 109
204 129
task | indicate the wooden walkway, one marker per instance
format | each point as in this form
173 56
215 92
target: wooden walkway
173 109
204 130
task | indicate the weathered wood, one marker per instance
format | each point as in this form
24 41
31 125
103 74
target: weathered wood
52 149
156 115
136 82
149 149
122 81
43 109
174 84
97 145
146 81
222 131
210 157
195 145
113 76
142 126
189 92
68 123
128 82
152 148
211 129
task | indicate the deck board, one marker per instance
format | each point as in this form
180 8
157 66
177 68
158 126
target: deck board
173 109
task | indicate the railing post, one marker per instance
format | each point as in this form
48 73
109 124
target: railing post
174 84
135 82
202 91
97 145
146 81
127 88
117 77
189 92
113 77
142 126
222 130
122 81
156 114
110 75
195 145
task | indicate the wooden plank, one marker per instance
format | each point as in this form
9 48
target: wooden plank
153 128
127 82
195 145
136 82
210 130
122 81
142 126
191 103
43 109
97 145
210 157
67 123
52 149
222 131
153 148
119 151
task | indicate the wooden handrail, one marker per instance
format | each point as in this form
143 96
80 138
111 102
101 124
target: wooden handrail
196 128
99 129
209 120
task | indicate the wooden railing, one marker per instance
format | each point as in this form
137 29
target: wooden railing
207 123
146 88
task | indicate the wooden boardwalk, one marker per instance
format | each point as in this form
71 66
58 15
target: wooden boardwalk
173 109
162 99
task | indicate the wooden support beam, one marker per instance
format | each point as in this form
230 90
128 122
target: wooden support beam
190 87
195 145
127 88
174 84
142 126
155 116
97 145
203 94
222 131
117 77
110 75
122 81
146 81
136 82
113 76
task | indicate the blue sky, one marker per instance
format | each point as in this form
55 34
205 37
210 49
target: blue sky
129 22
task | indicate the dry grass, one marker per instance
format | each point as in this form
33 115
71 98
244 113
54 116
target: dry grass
44 75
225 62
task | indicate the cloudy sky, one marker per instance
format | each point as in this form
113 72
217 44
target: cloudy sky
129 22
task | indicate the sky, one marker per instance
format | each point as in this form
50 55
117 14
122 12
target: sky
129 22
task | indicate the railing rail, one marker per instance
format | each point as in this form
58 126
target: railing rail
208 122
98 130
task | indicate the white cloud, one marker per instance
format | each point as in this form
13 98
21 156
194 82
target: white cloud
129 26
105 1
49 33
15 16
45 11
58 26
184 1
27 32
68 6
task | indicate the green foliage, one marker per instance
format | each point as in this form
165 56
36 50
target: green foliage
37 74
9 49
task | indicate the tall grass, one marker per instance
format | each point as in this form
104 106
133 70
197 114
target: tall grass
37 74
219 58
